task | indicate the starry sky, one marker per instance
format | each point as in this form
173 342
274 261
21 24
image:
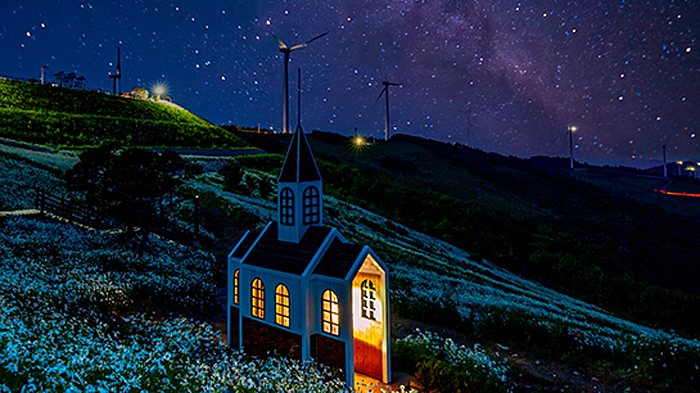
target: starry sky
626 73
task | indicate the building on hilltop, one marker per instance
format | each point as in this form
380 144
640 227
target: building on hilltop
301 289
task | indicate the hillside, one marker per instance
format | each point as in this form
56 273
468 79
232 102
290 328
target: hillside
525 335
599 234
64 117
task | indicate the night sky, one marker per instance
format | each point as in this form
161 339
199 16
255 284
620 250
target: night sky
626 73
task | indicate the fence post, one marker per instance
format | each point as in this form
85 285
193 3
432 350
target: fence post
41 202
70 208
196 218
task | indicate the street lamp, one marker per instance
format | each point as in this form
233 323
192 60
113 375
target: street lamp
571 129
680 163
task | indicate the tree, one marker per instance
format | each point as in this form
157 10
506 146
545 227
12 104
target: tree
60 77
80 82
139 92
232 175
88 174
129 183
70 78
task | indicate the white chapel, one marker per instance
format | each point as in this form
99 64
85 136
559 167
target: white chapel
300 289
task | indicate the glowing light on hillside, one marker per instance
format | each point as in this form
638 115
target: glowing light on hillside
358 143
159 90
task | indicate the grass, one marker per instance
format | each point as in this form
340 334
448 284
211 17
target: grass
602 235
63 117
489 304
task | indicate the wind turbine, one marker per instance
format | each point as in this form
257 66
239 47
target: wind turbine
285 87
118 74
386 96
468 112
44 67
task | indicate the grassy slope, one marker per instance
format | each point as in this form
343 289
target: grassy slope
59 116
437 281
601 235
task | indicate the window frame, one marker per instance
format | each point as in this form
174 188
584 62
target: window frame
236 288
282 305
287 206
330 307
369 298
257 299
311 202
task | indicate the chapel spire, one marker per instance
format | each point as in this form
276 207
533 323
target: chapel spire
299 165
299 191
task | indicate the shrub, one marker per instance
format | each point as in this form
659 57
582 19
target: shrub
442 365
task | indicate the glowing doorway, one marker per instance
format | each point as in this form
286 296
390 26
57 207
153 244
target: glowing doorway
370 319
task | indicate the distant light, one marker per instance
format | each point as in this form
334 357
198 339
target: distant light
678 193
679 162
359 141
159 90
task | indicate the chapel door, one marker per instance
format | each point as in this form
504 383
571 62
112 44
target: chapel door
368 325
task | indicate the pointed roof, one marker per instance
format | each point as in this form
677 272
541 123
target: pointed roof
268 252
299 165
338 259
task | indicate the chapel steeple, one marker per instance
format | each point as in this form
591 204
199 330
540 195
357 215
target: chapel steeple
299 191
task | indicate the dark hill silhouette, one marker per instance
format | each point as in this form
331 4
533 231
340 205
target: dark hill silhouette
601 234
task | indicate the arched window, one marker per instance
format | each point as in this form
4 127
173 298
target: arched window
235 286
287 206
331 313
257 299
311 205
282 305
369 296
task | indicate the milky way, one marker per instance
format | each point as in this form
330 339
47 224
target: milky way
625 73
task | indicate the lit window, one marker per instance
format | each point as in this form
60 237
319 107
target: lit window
282 305
235 286
311 205
331 315
287 207
257 304
369 296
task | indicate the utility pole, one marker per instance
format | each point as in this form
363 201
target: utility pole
665 169
571 130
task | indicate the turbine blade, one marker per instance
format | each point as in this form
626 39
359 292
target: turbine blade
307 42
460 111
380 95
393 84
282 45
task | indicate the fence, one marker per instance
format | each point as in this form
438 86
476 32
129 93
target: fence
48 82
73 210
69 208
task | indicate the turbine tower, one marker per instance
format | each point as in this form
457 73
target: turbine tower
118 74
44 67
386 114
468 112
285 86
